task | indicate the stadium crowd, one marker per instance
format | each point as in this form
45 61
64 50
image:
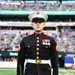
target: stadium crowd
66 40
10 39
9 5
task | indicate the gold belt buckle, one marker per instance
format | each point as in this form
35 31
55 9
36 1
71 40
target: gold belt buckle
38 61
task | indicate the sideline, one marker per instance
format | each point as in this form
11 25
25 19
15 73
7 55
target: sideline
7 69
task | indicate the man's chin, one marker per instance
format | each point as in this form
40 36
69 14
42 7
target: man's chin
38 30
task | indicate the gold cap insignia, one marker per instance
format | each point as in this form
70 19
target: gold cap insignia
38 13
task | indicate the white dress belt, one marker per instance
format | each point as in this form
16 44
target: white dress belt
38 61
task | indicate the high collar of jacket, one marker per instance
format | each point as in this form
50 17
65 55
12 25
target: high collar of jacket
38 34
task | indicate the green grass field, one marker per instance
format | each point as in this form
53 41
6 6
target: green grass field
62 71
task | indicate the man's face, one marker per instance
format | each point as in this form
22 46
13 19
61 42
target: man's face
38 26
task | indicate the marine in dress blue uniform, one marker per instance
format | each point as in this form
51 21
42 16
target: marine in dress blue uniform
38 49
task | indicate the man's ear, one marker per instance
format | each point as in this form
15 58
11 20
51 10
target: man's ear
32 25
44 24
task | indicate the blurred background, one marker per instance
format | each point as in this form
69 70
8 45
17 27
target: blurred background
14 25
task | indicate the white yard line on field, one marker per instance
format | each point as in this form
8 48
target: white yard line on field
59 74
65 74
68 73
